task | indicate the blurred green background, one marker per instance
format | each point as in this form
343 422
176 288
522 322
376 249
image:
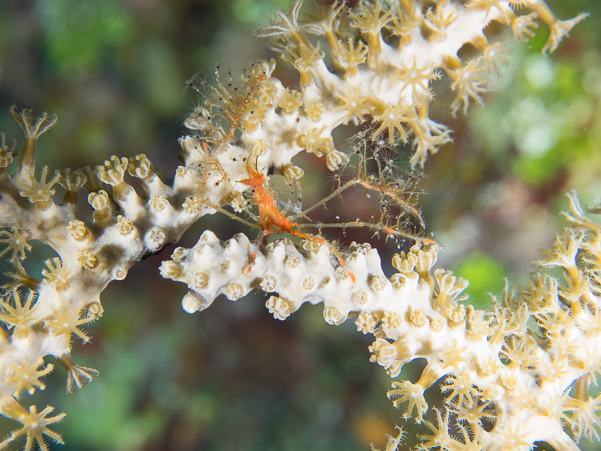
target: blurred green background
233 378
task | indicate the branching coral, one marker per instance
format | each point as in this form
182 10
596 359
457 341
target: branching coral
513 366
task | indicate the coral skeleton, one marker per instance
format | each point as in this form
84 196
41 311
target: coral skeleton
515 374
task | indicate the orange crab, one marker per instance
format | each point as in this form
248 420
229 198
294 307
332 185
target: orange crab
271 219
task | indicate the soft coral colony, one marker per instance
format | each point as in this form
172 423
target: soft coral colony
515 374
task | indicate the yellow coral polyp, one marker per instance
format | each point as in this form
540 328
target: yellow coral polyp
113 170
140 166
279 307
366 323
314 109
99 200
290 101
77 230
88 260
56 274
16 241
314 143
124 226
38 192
